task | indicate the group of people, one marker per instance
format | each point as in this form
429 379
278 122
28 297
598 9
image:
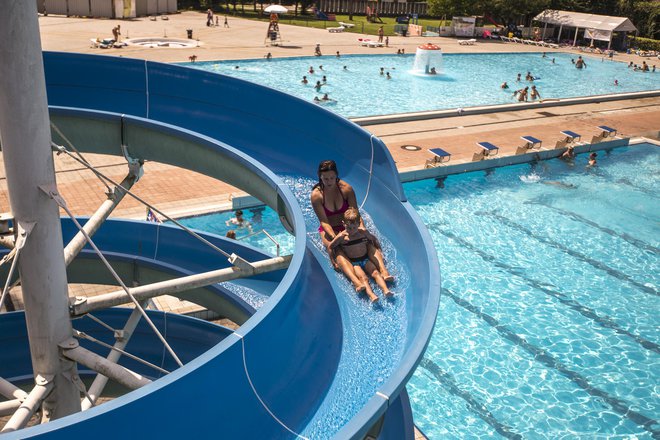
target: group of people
524 94
569 156
352 249
210 19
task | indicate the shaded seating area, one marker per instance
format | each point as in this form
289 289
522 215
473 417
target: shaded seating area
530 143
439 156
486 149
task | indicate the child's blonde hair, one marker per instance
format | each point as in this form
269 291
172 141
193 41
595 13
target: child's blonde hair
352 215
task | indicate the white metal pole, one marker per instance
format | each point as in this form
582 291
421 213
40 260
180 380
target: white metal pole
30 405
575 39
76 244
25 134
96 388
176 285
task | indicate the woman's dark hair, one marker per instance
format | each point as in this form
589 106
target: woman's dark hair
326 165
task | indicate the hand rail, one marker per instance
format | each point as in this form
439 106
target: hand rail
263 231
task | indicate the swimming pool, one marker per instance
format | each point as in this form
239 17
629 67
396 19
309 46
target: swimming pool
548 324
468 80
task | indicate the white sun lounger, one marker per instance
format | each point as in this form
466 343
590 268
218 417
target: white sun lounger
469 42
336 29
346 25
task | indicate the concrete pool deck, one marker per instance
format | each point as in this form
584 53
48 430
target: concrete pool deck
181 193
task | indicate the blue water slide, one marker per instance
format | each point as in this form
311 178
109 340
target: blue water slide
275 376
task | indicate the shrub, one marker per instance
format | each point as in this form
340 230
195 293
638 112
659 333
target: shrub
646 43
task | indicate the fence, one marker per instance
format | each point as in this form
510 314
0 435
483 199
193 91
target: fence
345 7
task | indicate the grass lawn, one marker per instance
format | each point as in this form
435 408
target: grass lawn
362 26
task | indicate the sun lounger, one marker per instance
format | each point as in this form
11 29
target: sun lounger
552 45
487 149
530 143
346 25
336 29
439 156
571 136
505 39
375 44
469 42
605 132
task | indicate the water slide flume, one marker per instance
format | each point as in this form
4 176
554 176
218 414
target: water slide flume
291 349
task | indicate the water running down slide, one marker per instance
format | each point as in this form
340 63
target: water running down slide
284 371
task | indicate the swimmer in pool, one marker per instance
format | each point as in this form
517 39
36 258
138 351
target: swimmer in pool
356 242
534 94
592 160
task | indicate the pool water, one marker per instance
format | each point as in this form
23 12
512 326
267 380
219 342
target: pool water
468 79
549 323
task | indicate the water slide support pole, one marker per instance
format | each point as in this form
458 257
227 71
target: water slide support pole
28 160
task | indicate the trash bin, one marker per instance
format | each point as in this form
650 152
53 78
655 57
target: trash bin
189 31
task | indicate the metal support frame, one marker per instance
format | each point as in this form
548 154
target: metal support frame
96 220
141 293
101 365
25 411
28 161
96 388
11 391
9 407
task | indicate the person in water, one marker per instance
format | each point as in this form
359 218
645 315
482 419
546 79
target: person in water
592 160
504 85
358 244
534 94
580 63
330 198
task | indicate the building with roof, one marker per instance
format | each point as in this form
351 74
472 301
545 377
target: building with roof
595 27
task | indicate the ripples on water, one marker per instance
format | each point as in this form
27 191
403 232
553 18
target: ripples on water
548 323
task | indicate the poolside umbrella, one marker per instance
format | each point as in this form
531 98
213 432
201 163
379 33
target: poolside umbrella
276 9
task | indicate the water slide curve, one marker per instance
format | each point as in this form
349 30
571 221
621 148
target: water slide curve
283 372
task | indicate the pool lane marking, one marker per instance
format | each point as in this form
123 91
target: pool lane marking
594 263
448 382
640 244
589 313
540 355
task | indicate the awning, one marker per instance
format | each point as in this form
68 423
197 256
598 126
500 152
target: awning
586 21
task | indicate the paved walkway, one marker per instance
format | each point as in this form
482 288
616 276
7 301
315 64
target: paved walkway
179 192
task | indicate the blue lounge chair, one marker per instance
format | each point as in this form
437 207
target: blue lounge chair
487 149
530 143
439 156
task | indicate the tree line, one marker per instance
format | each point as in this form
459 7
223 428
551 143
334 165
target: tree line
644 14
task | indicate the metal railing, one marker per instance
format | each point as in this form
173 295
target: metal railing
270 237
